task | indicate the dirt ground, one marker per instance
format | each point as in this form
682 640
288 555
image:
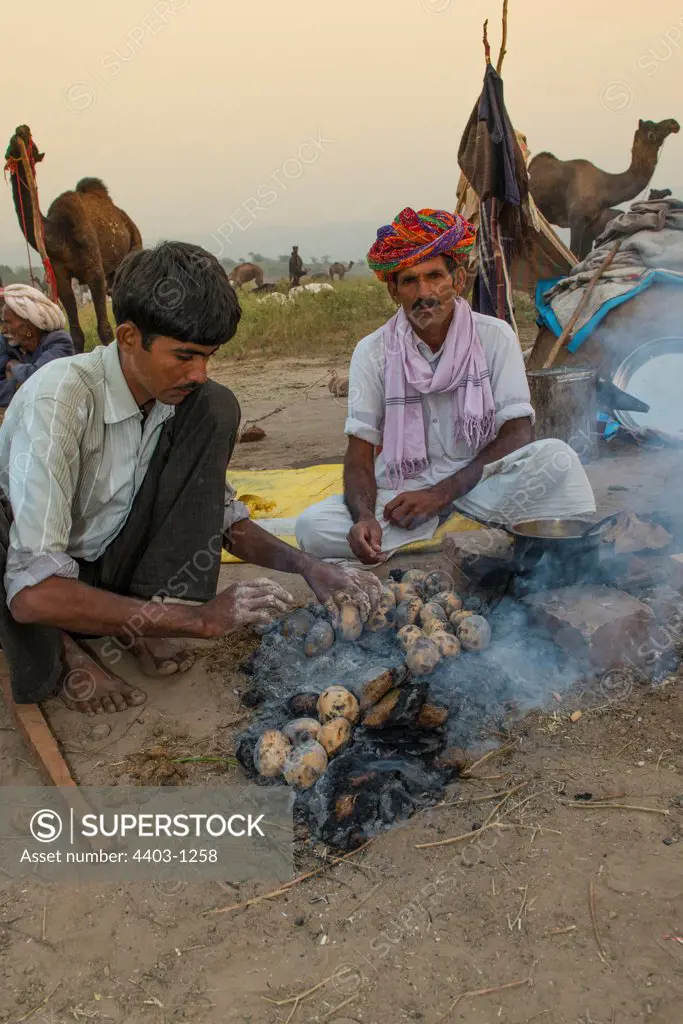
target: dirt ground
575 914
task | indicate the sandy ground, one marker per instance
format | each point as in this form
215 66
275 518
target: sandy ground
396 933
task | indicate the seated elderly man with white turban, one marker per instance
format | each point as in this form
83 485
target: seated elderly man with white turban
440 415
32 335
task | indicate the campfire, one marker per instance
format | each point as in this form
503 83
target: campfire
368 722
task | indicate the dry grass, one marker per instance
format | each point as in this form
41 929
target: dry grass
323 324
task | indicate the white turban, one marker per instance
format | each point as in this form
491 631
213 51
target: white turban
32 305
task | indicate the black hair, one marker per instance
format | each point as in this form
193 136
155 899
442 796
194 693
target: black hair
178 290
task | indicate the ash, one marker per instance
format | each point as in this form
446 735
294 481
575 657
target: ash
386 775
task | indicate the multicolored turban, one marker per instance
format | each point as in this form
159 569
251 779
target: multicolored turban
414 237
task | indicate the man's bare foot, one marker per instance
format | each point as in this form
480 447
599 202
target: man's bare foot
89 688
160 657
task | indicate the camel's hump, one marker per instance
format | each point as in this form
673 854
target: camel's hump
92 185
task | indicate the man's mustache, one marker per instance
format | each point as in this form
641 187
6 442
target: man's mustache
425 304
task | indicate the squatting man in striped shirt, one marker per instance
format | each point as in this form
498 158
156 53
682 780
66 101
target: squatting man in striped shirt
113 495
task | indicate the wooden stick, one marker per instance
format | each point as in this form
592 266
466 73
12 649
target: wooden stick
454 839
487 47
31 723
483 992
35 1009
586 805
487 757
336 1009
302 995
590 288
503 45
287 886
591 901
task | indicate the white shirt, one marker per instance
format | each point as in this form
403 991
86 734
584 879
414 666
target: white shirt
73 454
366 399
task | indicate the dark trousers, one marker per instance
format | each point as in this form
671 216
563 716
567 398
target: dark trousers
168 547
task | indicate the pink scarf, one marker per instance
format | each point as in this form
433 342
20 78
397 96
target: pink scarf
462 370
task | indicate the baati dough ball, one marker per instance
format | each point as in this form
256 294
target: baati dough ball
297 623
301 730
408 635
271 752
449 645
415 577
422 657
334 736
378 621
394 588
303 705
434 625
319 638
457 617
408 613
406 591
449 601
350 623
383 615
436 583
305 765
432 610
474 633
338 702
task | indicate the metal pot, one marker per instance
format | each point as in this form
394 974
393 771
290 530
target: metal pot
564 539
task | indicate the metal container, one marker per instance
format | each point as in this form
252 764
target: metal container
564 398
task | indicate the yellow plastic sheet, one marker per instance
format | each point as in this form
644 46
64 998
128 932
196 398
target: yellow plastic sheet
292 490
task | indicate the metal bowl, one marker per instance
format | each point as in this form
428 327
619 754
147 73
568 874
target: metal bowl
552 529
653 372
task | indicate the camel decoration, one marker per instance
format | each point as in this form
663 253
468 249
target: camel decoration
83 236
338 269
243 273
576 194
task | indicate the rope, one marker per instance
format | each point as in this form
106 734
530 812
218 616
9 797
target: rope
28 164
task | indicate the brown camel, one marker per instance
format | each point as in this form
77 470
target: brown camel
243 273
86 235
575 193
339 269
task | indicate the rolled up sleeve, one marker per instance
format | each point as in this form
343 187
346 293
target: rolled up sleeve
366 391
44 462
235 511
508 379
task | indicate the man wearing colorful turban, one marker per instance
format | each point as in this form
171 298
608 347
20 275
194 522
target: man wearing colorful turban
440 416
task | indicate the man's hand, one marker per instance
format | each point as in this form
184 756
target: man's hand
9 367
414 508
244 604
365 540
326 580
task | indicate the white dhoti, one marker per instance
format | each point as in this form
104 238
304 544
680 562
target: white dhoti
543 480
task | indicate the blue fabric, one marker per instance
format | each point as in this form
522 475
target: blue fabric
548 319
53 345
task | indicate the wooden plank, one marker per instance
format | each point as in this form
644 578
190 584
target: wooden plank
31 723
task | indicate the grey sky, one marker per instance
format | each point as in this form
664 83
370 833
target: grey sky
187 107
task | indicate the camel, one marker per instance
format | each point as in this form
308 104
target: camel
575 193
85 235
243 273
339 269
